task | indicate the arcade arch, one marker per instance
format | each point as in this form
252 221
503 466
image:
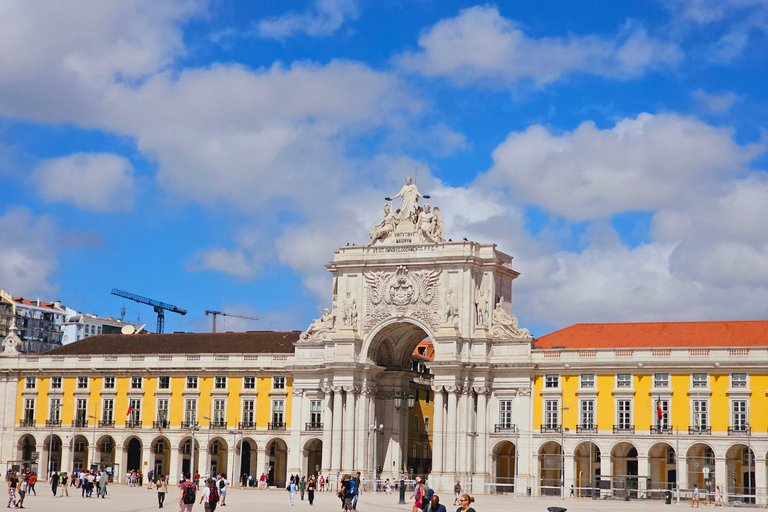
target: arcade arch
550 468
700 456
662 461
81 452
505 458
160 454
740 461
51 454
185 455
586 458
218 456
132 449
277 461
312 457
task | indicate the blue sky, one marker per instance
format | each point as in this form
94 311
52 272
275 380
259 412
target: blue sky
212 154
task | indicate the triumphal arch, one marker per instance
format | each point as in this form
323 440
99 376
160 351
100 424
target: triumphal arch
409 284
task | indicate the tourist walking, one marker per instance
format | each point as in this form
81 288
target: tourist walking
32 482
188 494
210 496
718 497
63 479
162 487
103 484
223 483
311 490
695 498
291 489
23 485
302 487
465 501
54 482
13 482
457 492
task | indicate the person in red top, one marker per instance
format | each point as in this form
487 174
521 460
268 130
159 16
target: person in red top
32 481
188 495
197 480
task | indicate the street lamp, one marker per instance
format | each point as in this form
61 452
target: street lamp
55 413
411 401
208 446
375 429
93 445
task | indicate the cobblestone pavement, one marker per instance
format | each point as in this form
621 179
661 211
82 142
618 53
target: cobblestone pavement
125 499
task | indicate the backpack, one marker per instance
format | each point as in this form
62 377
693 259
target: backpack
222 484
352 487
189 493
213 497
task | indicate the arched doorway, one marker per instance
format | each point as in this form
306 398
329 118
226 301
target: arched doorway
52 453
740 461
80 460
400 445
160 448
133 454
625 469
313 457
701 464
105 456
550 468
217 457
277 462
504 453
245 461
663 462
185 447
587 460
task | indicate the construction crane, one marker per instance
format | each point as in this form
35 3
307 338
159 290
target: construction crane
216 313
160 307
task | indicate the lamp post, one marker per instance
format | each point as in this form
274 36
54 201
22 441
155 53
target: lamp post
208 446
404 411
193 426
55 413
472 435
375 429
562 453
93 444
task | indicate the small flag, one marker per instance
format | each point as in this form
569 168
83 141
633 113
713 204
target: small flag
658 404
129 410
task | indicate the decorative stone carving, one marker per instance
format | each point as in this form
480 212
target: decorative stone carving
297 392
451 311
349 316
524 391
437 389
408 206
481 390
504 325
319 328
12 341
401 293
430 227
481 310
384 229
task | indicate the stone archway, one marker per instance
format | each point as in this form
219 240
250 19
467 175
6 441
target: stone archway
550 468
160 456
27 445
700 456
52 451
277 462
586 458
740 461
105 455
312 457
247 460
505 456
81 452
218 456
662 461
132 447
187 465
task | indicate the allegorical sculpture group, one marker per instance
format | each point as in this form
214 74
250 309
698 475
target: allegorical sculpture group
425 223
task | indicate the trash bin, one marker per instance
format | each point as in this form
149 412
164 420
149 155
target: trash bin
528 491
668 498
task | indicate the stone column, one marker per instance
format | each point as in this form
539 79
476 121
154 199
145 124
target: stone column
569 477
481 452
437 431
644 469
760 479
682 472
348 450
722 476
450 432
147 459
338 412
462 429
327 430
296 454
362 432
605 464
258 457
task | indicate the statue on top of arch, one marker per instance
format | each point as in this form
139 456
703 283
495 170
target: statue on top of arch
505 326
410 222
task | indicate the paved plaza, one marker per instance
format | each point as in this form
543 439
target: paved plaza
125 499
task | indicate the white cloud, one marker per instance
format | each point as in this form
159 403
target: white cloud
481 47
58 57
27 257
642 164
716 103
100 182
322 20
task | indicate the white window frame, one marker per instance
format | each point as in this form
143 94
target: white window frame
505 413
162 405
81 380
585 413
278 382
426 424
56 382
697 413
29 405
249 411
108 410
32 381
587 380
622 382
160 382
551 412
135 416
249 382
665 413
551 381
219 411
137 382
739 419
220 382
740 383
661 381
81 413
190 413
278 411
54 409
109 383
697 382
194 380
624 416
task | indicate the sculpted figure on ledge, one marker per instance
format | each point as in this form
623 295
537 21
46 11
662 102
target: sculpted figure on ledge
504 325
318 327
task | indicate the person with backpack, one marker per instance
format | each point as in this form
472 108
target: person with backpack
311 485
223 483
162 487
355 490
291 489
210 495
188 494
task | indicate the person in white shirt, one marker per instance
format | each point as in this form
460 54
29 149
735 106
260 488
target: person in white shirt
206 495
223 483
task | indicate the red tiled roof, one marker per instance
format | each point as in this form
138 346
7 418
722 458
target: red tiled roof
29 302
746 333
256 342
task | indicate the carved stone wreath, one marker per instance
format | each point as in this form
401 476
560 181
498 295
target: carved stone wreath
401 293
